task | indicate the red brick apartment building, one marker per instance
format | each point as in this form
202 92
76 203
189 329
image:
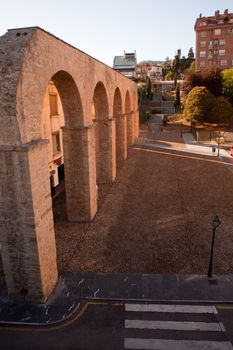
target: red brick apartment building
214 41
151 69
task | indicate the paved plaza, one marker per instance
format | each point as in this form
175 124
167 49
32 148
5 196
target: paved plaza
156 217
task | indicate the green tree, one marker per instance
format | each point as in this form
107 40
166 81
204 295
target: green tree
149 92
191 54
169 75
167 67
190 59
185 62
222 111
199 104
192 67
227 83
210 78
177 97
176 67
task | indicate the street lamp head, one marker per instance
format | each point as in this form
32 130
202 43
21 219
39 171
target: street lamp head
216 221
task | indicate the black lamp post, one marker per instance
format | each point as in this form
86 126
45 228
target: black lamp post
216 222
218 140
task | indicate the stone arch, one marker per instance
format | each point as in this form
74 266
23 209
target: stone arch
100 100
32 247
105 171
27 240
70 97
129 116
72 134
120 118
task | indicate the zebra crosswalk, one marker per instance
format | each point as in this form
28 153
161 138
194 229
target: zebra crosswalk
174 327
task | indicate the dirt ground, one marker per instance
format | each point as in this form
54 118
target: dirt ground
156 216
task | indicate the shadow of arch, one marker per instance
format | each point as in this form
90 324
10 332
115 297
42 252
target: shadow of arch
121 144
102 135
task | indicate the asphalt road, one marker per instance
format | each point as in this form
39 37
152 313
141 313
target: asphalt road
110 326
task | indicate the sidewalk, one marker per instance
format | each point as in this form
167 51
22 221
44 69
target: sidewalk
189 145
73 288
207 148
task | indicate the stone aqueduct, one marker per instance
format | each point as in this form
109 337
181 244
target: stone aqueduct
101 119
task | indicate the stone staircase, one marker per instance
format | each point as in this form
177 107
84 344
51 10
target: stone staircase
168 107
160 109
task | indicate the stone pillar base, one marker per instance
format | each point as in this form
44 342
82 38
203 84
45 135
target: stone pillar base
121 137
105 150
80 173
26 222
130 129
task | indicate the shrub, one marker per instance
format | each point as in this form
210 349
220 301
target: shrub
222 110
199 104
210 78
227 82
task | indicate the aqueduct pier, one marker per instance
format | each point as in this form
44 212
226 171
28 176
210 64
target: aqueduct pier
100 121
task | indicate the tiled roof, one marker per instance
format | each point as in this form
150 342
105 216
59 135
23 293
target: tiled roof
151 62
124 62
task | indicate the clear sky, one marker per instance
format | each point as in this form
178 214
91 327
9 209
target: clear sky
105 28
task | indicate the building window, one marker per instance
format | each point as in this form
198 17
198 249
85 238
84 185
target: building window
203 34
56 143
229 30
216 42
223 62
202 53
53 104
222 42
210 43
203 43
217 32
222 52
202 64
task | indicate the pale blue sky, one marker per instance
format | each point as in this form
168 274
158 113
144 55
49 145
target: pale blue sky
105 28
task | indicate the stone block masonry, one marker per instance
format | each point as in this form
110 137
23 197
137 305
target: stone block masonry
95 100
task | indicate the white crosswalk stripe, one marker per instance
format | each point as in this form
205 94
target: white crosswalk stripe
166 344
174 327
171 308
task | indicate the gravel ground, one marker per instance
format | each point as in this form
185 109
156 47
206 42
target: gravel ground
156 217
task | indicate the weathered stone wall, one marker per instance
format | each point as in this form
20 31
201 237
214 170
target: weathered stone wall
27 235
29 59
